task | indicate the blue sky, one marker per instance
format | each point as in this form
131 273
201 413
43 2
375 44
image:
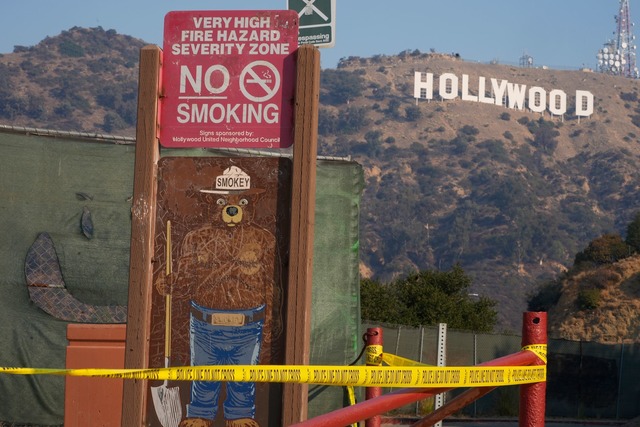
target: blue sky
556 33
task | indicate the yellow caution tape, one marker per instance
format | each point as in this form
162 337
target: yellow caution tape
393 360
539 349
364 376
373 354
351 394
352 399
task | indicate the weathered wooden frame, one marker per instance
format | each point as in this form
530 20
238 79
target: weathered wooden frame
143 217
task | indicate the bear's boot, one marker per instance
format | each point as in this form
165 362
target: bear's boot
241 422
196 422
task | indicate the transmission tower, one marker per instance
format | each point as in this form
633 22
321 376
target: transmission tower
526 60
618 56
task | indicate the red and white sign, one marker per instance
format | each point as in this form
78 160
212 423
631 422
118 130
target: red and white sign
228 79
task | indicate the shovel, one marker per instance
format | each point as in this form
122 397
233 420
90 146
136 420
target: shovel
166 401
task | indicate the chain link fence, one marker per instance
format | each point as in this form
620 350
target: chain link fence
585 380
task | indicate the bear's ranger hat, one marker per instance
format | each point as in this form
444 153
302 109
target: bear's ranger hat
232 181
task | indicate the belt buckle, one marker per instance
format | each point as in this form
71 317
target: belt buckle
227 319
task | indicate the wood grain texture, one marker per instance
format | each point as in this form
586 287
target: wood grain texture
143 213
298 323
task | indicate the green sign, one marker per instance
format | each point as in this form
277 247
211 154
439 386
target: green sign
317 21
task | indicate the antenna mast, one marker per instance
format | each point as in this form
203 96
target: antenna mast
618 56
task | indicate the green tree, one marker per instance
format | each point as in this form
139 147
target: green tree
427 298
377 302
605 249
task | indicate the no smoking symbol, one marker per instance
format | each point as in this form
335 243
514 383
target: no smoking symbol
259 81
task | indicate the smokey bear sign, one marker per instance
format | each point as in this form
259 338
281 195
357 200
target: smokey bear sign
219 286
228 79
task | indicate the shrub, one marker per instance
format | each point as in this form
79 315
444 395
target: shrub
69 48
605 249
629 96
588 299
412 113
469 130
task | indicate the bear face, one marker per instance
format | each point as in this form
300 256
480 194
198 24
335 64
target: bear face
232 209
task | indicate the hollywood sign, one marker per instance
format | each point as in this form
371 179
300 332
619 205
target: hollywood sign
501 92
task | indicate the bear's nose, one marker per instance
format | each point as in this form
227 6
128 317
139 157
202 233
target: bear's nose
232 211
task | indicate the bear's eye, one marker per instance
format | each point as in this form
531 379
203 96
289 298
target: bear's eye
221 202
243 202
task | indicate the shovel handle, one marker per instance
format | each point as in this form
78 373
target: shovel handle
167 298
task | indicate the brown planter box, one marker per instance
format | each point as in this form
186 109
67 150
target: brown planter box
94 401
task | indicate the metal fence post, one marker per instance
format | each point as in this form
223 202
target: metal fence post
533 396
620 381
421 349
475 362
374 353
442 361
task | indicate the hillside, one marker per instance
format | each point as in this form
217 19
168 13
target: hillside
81 80
615 317
511 195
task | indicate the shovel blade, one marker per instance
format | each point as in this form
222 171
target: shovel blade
166 402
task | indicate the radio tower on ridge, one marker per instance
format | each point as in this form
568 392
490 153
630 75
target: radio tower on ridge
618 56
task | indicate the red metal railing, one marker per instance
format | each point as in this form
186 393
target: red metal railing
532 396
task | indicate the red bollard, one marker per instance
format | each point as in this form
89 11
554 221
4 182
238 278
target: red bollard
532 396
374 358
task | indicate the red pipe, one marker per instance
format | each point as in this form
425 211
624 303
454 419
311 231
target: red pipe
533 396
453 406
374 352
460 401
401 397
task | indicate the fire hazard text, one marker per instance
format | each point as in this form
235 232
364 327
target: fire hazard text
230 36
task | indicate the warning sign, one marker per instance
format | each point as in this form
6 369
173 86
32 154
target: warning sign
228 79
317 21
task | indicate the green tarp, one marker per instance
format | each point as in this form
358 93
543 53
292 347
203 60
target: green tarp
47 182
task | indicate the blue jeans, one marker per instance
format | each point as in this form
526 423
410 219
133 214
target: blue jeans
224 345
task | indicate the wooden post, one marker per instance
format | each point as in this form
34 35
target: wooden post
303 192
143 218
